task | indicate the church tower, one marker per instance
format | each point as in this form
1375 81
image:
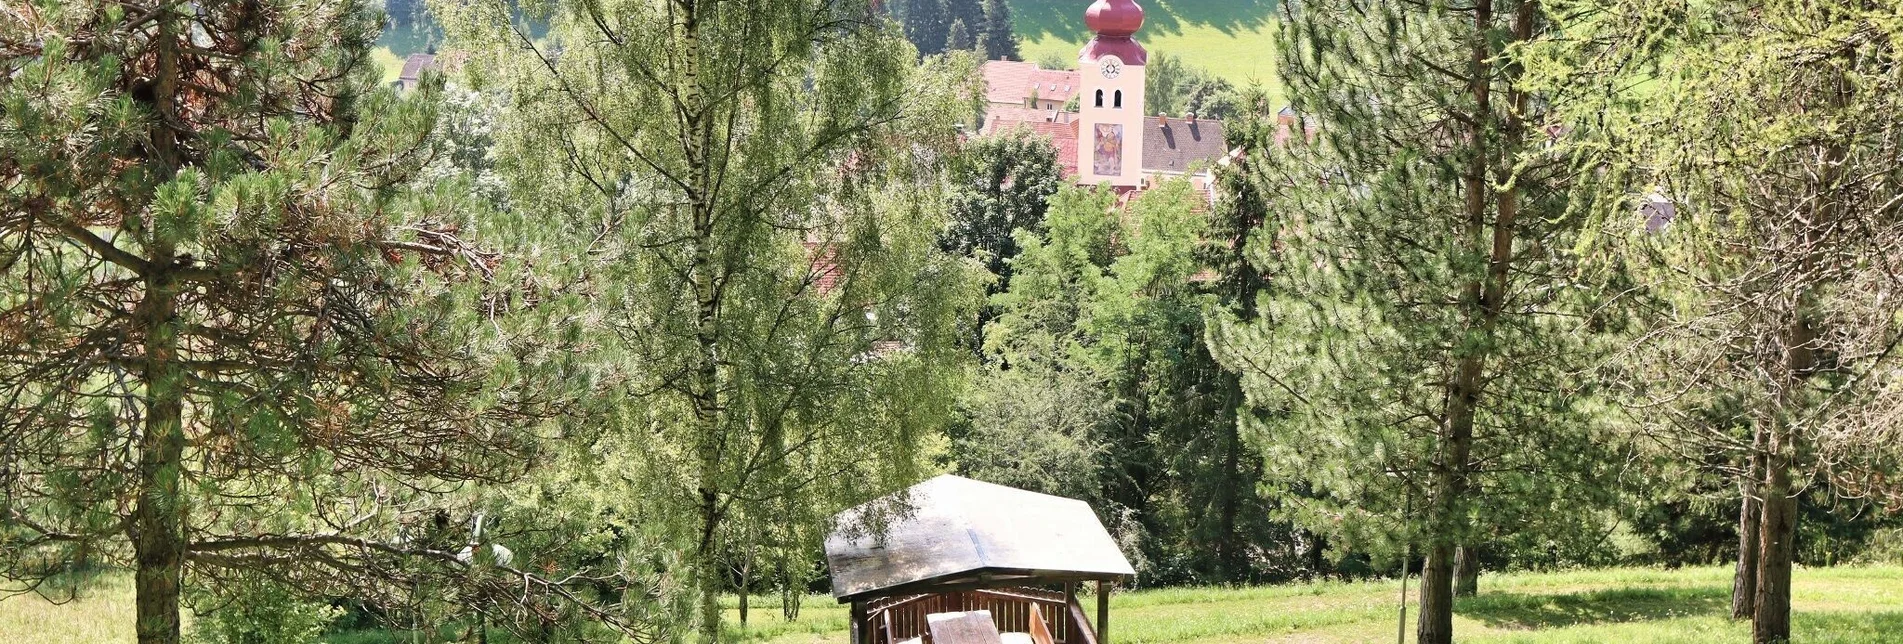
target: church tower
1110 108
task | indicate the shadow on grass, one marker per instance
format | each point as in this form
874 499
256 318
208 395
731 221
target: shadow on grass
1528 611
1065 18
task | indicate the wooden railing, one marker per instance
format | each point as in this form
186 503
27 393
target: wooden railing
895 619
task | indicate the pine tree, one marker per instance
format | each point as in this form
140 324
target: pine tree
1236 286
927 25
998 38
218 288
971 12
959 38
761 232
1413 356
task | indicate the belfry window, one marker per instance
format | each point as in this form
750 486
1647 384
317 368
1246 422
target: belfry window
1099 98
1119 99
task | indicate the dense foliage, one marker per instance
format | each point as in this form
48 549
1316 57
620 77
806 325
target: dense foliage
612 315
237 339
1763 147
778 334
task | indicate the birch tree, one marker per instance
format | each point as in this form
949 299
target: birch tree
754 191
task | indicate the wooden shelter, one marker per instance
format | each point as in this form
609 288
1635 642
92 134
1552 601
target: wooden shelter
974 546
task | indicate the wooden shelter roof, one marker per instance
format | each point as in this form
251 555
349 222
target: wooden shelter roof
970 534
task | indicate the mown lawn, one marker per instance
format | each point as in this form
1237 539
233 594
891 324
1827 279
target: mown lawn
1629 606
1846 605
1234 39
387 61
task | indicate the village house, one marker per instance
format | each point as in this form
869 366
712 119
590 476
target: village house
1010 83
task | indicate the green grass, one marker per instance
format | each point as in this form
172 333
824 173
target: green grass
391 63
1845 605
1234 39
1630 606
101 612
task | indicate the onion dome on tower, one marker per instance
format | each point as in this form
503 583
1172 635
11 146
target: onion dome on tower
1114 22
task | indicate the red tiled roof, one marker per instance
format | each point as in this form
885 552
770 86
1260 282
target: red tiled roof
1005 115
1009 82
1286 121
823 271
1063 136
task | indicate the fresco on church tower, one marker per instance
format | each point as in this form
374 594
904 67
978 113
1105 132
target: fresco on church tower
1108 161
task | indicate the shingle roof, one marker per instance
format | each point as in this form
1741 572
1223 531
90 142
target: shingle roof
1013 83
971 533
1005 115
413 69
1176 145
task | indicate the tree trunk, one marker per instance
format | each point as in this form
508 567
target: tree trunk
1744 585
1400 630
157 530
1466 572
1317 554
1778 531
158 536
158 540
746 583
707 561
790 593
1236 479
697 129
1436 624
1230 488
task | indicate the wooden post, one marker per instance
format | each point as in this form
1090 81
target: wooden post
1070 599
859 634
1103 610
1407 552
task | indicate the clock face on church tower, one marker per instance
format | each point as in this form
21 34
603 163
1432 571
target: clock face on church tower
1111 66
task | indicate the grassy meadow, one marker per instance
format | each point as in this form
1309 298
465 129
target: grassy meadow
1233 39
1844 605
1628 605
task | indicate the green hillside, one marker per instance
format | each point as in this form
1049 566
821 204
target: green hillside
1232 38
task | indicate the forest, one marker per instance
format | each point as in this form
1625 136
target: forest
594 332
